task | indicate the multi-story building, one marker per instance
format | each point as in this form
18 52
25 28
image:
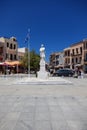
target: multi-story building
76 56
8 49
8 54
56 61
1 52
85 56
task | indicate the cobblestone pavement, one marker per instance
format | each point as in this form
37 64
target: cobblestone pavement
43 107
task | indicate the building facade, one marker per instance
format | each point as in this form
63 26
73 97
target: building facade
85 56
8 55
76 56
8 49
56 61
21 52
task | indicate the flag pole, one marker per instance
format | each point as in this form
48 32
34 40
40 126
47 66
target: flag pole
27 40
28 53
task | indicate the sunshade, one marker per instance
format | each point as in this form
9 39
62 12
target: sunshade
10 63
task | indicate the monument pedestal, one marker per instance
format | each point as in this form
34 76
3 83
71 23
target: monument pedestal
42 75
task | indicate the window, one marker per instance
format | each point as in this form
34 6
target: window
57 57
65 53
68 53
68 61
15 57
7 44
86 45
80 59
57 62
14 39
11 57
86 56
11 46
80 50
1 50
73 51
76 60
6 55
72 60
77 50
14 46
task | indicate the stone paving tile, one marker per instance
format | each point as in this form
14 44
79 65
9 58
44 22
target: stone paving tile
21 111
17 107
7 124
2 115
28 100
26 116
77 125
57 116
51 101
24 125
29 108
42 125
41 102
42 116
56 109
5 108
12 116
41 109
60 125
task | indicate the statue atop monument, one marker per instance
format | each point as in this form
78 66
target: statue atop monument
42 52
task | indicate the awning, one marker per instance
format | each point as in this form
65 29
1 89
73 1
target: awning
13 63
10 63
3 63
77 65
59 66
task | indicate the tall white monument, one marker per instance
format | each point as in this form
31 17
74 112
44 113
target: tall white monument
42 74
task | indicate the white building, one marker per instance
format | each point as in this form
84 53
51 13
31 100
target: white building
21 52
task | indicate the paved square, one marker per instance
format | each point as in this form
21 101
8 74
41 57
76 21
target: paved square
43 107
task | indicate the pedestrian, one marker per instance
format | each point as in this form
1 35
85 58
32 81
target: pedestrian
82 74
79 73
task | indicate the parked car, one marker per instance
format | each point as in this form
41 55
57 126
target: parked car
64 72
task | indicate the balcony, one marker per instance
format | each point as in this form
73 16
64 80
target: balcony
76 54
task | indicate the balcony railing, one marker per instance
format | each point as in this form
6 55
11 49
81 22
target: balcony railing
75 54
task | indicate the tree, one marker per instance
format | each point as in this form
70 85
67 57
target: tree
34 61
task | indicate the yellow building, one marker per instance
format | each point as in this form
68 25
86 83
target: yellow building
76 56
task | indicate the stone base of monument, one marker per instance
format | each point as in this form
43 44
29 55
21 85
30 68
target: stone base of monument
48 81
42 75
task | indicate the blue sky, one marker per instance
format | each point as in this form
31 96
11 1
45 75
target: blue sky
54 23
